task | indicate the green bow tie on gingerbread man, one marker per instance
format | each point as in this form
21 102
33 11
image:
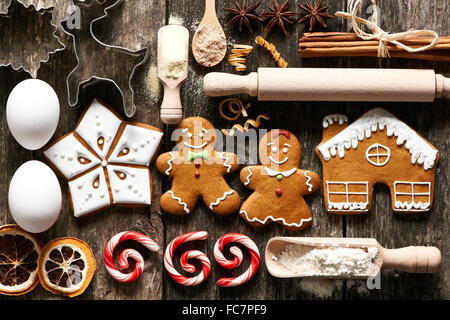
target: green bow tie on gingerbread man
194 155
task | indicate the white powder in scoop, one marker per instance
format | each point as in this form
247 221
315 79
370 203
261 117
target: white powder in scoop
328 261
173 52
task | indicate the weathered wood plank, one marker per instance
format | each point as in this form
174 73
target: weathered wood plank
97 229
135 24
431 120
302 119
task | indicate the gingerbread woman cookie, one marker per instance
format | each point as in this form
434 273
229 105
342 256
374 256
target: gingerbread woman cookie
198 171
279 184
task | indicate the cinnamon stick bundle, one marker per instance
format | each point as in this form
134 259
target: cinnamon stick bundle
342 44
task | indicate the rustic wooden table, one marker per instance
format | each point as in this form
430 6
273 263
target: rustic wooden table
134 24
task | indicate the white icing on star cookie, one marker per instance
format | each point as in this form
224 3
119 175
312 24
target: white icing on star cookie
71 157
136 145
114 168
89 193
98 127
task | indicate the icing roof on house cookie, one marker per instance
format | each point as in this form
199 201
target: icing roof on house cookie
421 151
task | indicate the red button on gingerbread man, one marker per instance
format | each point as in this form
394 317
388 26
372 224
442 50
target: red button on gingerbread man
198 171
279 184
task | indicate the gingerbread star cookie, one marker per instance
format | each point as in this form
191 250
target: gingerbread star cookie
279 184
105 160
198 171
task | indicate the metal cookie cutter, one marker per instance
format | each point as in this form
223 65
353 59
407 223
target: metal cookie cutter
28 60
97 60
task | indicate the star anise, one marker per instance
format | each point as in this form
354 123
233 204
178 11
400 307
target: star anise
314 13
278 15
244 14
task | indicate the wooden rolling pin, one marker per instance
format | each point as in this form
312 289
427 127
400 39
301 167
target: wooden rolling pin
320 84
409 259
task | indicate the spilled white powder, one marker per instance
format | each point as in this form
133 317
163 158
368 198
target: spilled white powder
152 83
176 20
320 287
328 261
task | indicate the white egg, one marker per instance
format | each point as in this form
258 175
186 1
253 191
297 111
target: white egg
32 113
34 197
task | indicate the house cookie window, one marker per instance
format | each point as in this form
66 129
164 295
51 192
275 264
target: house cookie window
378 155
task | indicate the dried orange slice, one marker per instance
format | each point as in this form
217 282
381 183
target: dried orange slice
19 255
66 266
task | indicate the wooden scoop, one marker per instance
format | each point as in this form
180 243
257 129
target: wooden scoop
173 52
409 259
209 19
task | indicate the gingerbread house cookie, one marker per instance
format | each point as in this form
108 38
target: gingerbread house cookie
376 148
105 160
278 183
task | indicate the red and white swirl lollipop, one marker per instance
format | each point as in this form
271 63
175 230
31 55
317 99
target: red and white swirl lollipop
231 264
125 254
192 254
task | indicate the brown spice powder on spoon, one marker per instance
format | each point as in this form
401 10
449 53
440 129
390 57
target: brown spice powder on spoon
210 46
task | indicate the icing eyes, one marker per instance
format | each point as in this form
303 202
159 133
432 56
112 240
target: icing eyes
96 183
201 134
121 175
101 143
83 160
123 152
285 150
274 149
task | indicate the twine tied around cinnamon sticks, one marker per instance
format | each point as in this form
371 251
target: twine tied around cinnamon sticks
379 34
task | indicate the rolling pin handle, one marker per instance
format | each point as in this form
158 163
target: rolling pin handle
442 86
412 259
218 84
171 109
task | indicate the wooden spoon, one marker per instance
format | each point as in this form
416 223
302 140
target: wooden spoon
170 74
409 259
209 19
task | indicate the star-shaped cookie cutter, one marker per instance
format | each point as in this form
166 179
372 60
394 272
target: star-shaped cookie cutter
87 45
29 68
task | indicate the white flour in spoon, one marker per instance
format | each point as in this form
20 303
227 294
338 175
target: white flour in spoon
328 261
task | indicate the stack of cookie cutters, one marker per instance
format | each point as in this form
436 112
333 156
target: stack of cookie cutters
108 62
112 63
29 66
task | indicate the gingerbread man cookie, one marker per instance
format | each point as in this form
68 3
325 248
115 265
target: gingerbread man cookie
198 171
279 184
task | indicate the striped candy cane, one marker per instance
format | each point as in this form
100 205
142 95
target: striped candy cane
125 254
231 264
192 254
